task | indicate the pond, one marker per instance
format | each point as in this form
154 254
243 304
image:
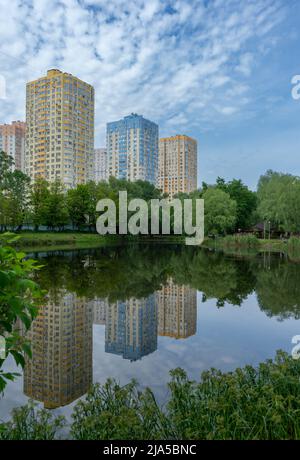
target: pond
137 311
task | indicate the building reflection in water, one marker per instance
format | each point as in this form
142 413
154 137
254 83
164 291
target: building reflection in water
61 336
60 370
131 328
177 310
99 307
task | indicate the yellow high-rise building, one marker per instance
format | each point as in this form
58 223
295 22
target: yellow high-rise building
177 170
60 129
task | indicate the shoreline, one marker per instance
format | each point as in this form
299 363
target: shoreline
46 241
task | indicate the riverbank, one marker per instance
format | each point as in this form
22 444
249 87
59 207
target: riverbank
231 244
236 244
59 241
45 241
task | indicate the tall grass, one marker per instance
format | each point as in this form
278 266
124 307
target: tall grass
249 403
294 248
30 423
240 241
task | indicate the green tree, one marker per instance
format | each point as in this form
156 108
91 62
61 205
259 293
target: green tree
14 191
19 296
18 199
6 164
39 198
245 199
220 211
56 212
279 200
78 204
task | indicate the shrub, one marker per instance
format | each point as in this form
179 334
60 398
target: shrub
19 297
30 423
249 403
240 241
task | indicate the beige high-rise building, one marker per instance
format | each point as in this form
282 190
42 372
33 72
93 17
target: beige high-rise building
60 129
12 142
177 171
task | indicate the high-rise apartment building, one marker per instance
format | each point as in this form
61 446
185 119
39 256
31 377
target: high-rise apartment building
177 171
132 148
12 142
60 129
100 165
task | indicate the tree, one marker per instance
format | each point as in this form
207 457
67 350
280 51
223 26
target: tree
38 200
6 164
78 204
220 211
18 198
56 212
14 191
279 200
245 199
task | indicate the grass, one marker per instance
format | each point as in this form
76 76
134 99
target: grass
247 404
39 241
243 244
45 241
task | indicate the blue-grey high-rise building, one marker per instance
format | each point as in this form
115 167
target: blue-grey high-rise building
132 149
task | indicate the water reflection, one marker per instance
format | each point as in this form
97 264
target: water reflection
131 328
137 294
177 310
60 370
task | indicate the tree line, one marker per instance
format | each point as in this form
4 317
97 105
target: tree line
230 207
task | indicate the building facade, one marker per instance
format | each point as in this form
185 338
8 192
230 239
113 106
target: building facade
60 129
12 142
177 171
100 165
132 149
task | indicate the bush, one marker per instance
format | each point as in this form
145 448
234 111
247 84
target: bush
294 245
30 423
249 403
19 298
240 241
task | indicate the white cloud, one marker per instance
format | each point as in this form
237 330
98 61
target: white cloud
157 58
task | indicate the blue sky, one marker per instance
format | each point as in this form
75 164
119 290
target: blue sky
218 70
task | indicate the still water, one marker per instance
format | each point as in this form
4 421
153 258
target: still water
137 311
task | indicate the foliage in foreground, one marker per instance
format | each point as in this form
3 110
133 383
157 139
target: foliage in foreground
249 403
28 423
19 296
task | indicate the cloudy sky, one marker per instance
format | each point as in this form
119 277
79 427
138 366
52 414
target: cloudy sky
218 70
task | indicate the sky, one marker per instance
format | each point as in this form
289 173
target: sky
217 70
